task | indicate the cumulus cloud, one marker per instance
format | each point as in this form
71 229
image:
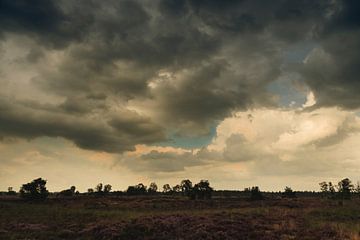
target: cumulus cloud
285 142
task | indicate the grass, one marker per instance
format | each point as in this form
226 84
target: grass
345 219
177 218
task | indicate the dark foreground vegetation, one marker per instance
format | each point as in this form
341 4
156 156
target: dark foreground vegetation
150 214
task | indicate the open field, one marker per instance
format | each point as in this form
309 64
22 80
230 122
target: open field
166 217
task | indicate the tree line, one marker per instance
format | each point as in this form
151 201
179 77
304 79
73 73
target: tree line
36 190
343 189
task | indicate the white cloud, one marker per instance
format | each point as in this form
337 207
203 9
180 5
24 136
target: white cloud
310 100
291 143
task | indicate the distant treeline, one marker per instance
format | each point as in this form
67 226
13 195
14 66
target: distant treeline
36 190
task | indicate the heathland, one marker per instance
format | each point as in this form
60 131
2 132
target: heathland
179 213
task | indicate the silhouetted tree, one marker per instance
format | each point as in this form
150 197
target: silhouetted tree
324 187
90 191
186 187
107 188
166 188
34 190
11 191
331 189
201 190
176 188
99 188
344 188
255 194
139 189
68 192
152 188
357 189
131 190
288 193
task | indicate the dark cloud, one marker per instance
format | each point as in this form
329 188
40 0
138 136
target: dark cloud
174 8
42 20
73 105
187 64
138 128
332 70
123 132
36 16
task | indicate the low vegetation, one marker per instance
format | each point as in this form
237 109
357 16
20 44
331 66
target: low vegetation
184 211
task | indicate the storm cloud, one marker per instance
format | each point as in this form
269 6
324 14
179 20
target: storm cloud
109 75
115 133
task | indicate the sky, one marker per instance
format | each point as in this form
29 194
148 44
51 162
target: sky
240 93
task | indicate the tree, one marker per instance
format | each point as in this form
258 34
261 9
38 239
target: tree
152 188
255 194
201 190
288 193
139 189
166 188
131 190
357 188
176 188
324 187
331 189
90 191
11 191
344 188
186 187
107 188
99 188
68 192
34 190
